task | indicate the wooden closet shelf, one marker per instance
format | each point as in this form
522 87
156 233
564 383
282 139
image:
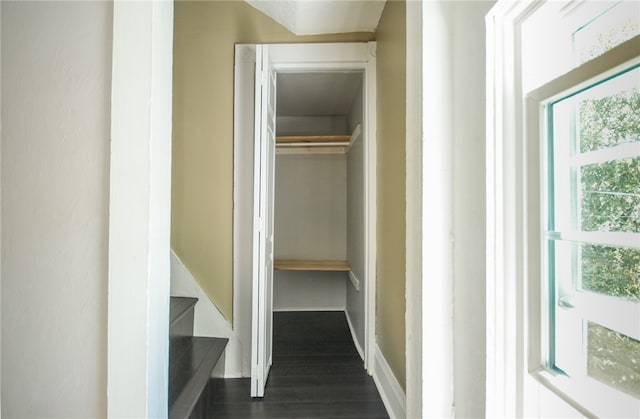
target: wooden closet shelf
313 139
311 265
317 144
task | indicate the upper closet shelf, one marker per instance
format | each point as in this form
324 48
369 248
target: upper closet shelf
311 265
317 144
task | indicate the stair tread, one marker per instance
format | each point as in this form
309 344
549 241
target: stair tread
180 306
190 371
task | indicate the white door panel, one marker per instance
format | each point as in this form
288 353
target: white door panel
263 181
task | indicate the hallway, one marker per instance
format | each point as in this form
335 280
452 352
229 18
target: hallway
316 373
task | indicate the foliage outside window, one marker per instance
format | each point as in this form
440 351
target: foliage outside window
611 193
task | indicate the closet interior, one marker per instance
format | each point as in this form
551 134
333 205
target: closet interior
319 236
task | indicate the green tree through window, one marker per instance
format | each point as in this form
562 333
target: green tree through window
610 193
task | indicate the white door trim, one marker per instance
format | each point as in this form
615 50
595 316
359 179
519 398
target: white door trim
139 210
245 56
290 57
371 208
414 223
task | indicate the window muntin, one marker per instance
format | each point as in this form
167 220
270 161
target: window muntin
607 205
592 238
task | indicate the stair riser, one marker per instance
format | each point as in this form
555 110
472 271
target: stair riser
183 326
192 362
190 374
182 315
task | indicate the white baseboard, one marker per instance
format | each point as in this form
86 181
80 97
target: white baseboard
208 320
390 390
353 335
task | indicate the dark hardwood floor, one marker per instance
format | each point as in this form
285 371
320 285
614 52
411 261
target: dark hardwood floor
316 373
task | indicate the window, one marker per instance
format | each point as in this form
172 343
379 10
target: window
563 209
592 234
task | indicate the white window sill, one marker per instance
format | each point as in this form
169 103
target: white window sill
588 396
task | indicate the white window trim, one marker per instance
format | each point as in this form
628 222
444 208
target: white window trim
514 315
504 234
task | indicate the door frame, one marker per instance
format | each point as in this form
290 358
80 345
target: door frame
297 57
137 352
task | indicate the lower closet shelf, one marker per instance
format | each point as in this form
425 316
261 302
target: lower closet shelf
311 265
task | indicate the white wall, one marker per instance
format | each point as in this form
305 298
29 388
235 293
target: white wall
309 291
310 223
56 74
468 206
312 125
311 207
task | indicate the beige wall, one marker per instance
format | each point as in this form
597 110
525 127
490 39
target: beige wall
391 74
56 91
202 184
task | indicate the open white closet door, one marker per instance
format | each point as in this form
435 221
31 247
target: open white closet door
263 198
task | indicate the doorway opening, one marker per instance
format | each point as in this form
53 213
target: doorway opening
323 183
319 218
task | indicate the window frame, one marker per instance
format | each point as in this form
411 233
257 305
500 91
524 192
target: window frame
516 294
615 61
606 311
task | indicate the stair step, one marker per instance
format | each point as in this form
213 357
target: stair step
181 316
193 360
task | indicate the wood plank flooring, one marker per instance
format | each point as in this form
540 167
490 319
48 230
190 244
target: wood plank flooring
316 373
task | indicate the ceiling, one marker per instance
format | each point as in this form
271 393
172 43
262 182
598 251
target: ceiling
328 93
317 94
312 17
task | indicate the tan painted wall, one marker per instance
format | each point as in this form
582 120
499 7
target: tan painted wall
202 185
391 74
